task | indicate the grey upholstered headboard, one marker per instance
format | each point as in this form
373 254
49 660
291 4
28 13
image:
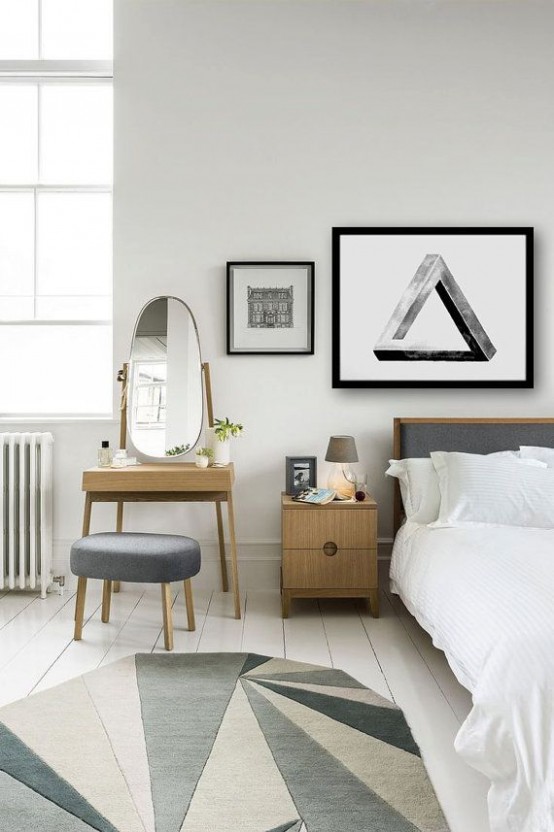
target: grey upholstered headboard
418 437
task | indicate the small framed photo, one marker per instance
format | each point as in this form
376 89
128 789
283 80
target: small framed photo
301 473
270 308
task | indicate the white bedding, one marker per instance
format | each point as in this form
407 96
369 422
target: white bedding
486 596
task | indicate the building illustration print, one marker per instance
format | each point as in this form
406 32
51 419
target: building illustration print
270 308
433 274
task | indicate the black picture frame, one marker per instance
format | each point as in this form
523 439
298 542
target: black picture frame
339 234
267 321
294 464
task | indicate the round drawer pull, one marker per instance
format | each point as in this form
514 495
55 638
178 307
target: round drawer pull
330 548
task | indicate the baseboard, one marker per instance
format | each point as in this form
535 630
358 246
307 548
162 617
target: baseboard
259 563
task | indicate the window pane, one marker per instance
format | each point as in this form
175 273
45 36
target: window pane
17 243
18 29
76 134
74 309
74 247
77 29
16 309
18 134
50 359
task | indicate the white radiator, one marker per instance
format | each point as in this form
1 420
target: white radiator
26 510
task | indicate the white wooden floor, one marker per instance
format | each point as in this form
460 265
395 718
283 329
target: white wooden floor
392 655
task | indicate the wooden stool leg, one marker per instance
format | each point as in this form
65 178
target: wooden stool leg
106 601
168 618
190 606
80 608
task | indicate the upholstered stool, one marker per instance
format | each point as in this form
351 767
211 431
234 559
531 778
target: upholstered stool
135 558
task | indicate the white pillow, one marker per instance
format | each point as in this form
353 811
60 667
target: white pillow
419 485
543 454
477 490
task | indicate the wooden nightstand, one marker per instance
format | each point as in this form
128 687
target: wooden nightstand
329 551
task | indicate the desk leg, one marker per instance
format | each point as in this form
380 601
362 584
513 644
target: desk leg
221 538
118 528
86 516
234 564
79 601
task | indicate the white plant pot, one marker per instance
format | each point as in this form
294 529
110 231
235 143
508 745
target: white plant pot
202 461
222 452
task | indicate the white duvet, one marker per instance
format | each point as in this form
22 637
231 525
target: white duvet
486 596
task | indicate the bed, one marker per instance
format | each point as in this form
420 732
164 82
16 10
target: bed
486 596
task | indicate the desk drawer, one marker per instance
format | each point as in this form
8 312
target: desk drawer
312 568
313 528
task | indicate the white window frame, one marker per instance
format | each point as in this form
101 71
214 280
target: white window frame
153 386
38 72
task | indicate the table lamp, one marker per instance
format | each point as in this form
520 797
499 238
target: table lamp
342 450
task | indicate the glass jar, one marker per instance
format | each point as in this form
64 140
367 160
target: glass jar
361 493
120 459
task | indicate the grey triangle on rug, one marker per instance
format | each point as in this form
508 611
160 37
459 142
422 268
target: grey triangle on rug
212 742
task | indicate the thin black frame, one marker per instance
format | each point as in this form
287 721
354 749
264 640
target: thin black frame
310 265
290 461
527 232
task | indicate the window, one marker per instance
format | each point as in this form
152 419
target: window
56 152
150 385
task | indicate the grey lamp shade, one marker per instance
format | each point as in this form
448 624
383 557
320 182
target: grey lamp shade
341 449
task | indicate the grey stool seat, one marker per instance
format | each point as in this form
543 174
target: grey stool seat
135 558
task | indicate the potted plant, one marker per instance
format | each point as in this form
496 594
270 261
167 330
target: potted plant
203 457
223 431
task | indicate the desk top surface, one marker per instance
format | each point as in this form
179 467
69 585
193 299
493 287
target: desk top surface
159 476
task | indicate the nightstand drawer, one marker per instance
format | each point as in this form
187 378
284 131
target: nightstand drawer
313 528
312 568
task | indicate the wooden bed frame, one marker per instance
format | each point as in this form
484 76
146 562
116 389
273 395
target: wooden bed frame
466 434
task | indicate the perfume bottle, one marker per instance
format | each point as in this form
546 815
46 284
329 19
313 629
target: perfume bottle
105 455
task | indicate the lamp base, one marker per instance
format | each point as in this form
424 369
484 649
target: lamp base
339 480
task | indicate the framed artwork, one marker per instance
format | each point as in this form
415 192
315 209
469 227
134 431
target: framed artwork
270 308
432 307
301 473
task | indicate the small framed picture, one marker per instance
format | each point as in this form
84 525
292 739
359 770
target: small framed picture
301 473
270 308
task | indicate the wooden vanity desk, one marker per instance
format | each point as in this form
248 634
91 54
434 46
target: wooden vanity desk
165 482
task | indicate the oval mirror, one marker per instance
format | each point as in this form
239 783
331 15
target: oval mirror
165 396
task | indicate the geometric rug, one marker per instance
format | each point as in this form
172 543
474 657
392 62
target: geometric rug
212 742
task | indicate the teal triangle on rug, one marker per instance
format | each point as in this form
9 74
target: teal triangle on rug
386 724
21 807
183 702
22 764
328 796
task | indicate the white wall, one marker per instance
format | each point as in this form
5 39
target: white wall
246 130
